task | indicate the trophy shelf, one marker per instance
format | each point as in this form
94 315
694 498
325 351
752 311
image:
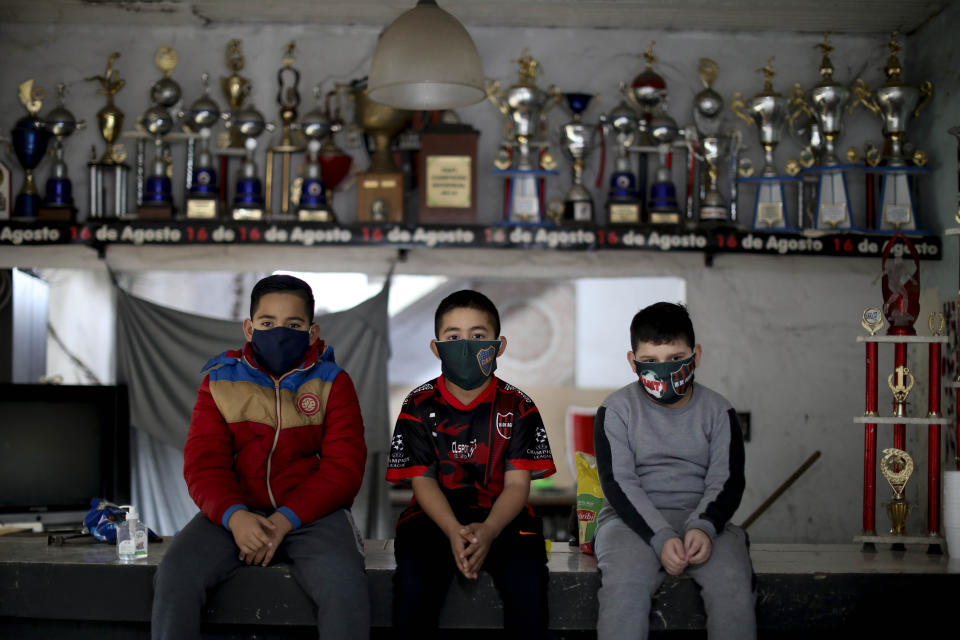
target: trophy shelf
103 232
905 339
899 420
894 539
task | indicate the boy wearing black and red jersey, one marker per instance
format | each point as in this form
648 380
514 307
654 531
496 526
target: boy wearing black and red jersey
469 444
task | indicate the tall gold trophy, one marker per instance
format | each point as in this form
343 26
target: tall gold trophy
108 175
291 138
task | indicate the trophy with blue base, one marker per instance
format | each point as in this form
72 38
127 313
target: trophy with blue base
826 102
624 204
713 147
313 204
895 102
155 191
30 137
248 202
768 112
523 159
58 205
578 140
202 185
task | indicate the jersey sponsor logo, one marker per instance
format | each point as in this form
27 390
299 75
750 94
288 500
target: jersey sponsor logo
485 359
308 404
505 425
462 451
681 379
452 430
652 383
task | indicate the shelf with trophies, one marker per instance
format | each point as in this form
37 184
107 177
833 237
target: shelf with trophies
901 307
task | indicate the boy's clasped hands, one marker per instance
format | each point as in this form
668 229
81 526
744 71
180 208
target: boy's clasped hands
470 545
257 536
677 554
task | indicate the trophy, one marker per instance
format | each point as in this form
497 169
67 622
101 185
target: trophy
447 172
248 202
380 187
900 288
203 191
313 203
288 97
648 92
334 162
30 137
155 192
825 102
523 158
624 205
108 175
872 320
767 111
235 89
896 465
714 146
578 140
895 102
58 204
901 389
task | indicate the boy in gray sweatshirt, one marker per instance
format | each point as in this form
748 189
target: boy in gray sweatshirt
670 457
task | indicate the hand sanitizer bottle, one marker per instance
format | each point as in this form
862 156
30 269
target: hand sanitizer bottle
131 537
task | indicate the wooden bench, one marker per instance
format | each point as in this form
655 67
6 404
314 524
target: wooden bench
56 591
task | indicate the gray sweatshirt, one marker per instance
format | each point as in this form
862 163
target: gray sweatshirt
652 457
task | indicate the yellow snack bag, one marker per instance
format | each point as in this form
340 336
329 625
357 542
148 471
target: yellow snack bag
589 499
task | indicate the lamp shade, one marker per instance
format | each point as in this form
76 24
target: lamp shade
426 60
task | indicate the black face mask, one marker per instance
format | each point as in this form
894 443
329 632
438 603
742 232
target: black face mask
280 349
468 363
666 382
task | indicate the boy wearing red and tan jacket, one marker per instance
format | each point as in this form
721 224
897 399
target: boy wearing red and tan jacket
274 458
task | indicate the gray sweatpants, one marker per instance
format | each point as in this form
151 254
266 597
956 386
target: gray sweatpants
326 560
631 572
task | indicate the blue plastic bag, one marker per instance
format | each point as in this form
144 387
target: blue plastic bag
102 519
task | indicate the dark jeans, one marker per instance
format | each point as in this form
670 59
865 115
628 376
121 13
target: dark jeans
517 562
325 559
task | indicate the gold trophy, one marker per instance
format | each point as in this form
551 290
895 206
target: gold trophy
937 323
896 465
901 389
379 188
108 175
235 89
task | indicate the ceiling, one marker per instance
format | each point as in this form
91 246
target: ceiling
837 16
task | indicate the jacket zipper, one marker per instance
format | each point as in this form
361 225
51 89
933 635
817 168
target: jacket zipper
276 435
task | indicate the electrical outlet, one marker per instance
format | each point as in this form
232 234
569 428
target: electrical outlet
744 418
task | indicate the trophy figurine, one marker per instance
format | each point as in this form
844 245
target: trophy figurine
248 203
901 389
108 175
624 205
203 191
380 187
767 111
896 465
30 137
288 97
58 204
523 158
313 202
578 140
713 145
155 191
235 89
900 287
826 102
895 102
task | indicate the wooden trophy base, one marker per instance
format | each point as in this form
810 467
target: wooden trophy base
150 212
203 208
57 214
447 175
380 197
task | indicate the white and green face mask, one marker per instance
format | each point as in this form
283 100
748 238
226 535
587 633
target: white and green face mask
666 382
468 363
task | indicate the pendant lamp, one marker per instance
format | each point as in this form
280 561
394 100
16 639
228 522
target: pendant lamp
426 60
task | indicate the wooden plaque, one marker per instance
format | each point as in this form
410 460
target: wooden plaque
447 174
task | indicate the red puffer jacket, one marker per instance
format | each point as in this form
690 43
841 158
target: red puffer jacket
294 444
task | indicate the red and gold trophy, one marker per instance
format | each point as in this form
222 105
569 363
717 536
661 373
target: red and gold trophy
896 465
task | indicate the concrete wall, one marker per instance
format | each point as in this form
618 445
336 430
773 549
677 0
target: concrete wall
778 333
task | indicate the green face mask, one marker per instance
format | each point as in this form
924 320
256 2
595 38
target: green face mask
468 363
